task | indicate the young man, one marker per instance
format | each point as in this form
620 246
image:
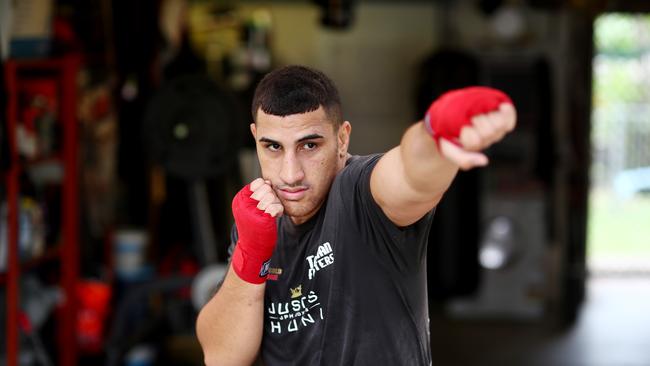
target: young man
329 266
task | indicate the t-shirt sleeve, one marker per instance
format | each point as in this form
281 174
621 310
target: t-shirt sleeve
401 247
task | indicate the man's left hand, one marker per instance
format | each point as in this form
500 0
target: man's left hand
485 130
465 121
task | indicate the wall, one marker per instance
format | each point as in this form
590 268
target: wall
373 63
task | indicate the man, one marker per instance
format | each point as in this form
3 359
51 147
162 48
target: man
329 266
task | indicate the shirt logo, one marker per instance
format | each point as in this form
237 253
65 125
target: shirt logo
265 268
302 311
323 258
274 273
296 292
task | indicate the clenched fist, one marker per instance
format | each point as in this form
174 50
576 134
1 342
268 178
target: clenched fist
255 208
267 199
468 120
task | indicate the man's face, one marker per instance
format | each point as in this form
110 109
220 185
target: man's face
300 154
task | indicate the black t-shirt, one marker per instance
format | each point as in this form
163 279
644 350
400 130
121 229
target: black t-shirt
348 287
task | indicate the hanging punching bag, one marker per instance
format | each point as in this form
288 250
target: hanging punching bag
191 128
453 267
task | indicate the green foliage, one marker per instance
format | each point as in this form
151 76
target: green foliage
622 34
622 59
618 81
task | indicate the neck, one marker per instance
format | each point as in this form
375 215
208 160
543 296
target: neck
341 163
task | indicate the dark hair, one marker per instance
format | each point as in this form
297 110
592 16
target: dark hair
297 89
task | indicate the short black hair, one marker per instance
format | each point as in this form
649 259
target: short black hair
297 89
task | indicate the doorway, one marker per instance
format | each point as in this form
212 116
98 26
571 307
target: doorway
618 231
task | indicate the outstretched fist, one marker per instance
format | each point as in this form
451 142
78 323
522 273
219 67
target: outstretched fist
465 121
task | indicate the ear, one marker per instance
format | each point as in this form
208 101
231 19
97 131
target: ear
344 138
254 131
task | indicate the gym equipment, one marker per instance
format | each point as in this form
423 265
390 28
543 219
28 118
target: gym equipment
192 129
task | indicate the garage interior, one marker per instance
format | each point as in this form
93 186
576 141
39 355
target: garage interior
124 136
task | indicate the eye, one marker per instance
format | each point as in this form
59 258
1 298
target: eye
309 145
273 147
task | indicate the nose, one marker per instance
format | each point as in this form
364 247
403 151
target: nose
291 173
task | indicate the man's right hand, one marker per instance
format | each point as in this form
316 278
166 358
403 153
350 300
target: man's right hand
255 208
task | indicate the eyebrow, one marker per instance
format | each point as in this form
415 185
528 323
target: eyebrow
313 136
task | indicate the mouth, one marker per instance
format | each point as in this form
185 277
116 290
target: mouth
292 194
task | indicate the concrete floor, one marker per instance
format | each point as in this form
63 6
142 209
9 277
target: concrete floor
613 329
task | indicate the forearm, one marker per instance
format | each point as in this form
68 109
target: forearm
410 179
229 327
427 173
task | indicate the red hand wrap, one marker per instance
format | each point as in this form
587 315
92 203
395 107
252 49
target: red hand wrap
453 110
257 237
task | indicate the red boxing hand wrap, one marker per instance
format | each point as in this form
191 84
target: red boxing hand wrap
257 237
453 110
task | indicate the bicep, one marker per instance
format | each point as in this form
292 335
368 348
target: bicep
391 189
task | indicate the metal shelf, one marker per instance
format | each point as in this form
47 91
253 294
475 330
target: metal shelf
50 254
64 72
